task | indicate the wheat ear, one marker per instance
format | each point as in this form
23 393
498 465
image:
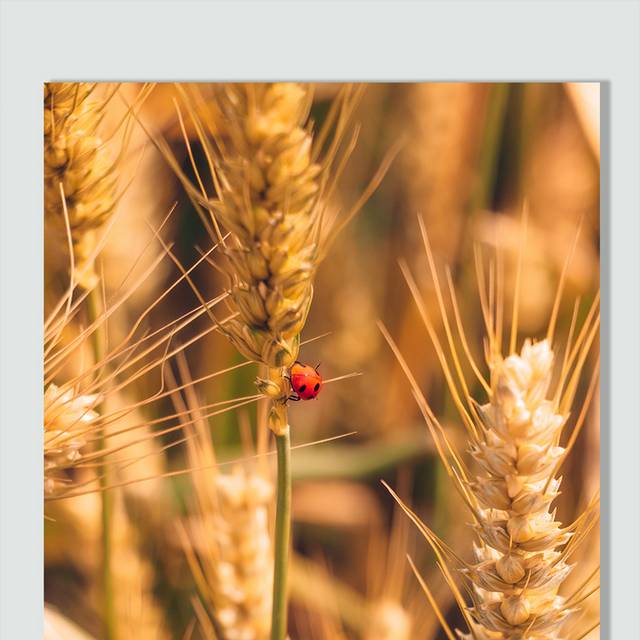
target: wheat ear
78 159
522 550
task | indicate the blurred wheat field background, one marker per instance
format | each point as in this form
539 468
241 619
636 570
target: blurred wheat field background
435 247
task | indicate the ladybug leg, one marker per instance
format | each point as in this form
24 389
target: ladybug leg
294 398
318 366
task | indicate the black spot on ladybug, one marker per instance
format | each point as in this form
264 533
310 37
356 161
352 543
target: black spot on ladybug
316 387
303 387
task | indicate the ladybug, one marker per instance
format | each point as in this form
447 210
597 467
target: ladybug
305 381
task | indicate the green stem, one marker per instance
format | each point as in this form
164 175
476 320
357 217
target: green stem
94 304
282 537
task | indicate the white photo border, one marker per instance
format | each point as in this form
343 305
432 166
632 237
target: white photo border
334 41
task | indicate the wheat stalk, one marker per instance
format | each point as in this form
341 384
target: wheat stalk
272 180
522 550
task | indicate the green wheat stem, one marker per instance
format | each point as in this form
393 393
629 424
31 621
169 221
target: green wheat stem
282 536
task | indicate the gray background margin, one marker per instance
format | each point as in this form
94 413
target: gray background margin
357 40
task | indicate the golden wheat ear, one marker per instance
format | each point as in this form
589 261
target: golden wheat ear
516 444
82 159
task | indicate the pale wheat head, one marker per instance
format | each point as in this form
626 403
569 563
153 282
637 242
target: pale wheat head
520 564
522 549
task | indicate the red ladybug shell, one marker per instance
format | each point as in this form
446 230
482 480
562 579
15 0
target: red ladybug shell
305 381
